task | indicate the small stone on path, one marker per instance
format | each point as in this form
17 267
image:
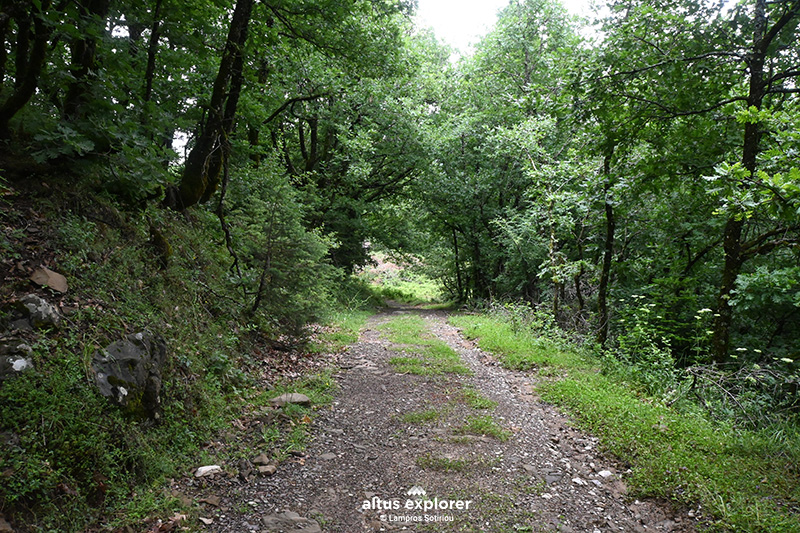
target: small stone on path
212 500
290 522
262 459
207 470
267 470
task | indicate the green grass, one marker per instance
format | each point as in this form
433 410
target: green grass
472 397
442 464
424 354
483 425
744 481
518 350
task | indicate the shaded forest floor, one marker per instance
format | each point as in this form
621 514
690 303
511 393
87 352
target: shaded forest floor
429 410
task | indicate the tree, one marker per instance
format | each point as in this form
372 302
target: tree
774 35
201 172
31 23
681 71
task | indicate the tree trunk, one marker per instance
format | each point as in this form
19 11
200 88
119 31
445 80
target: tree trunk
605 273
459 284
27 77
201 173
84 57
152 49
732 236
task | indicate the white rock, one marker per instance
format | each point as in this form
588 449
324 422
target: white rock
290 397
207 470
21 364
605 473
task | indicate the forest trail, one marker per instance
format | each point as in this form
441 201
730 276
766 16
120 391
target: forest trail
388 432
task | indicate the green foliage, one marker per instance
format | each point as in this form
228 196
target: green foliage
484 425
282 263
640 355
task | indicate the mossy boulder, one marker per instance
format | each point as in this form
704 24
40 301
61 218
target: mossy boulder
128 373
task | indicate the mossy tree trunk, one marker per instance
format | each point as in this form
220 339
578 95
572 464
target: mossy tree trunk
202 170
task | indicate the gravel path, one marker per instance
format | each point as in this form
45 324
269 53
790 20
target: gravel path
366 457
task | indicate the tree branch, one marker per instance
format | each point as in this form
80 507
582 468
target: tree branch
293 101
760 246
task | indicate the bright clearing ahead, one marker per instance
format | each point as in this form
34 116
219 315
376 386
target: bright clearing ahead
461 23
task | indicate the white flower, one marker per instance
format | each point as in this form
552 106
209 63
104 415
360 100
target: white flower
787 360
704 310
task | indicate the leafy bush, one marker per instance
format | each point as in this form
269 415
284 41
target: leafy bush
283 267
641 356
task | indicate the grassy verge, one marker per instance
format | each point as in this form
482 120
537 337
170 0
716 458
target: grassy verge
743 481
343 329
423 353
517 350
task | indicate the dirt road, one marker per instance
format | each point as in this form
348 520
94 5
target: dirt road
398 451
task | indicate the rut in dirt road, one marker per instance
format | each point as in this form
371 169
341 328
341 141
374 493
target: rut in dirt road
431 435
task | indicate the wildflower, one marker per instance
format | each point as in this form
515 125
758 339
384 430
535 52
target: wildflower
704 310
741 349
787 360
